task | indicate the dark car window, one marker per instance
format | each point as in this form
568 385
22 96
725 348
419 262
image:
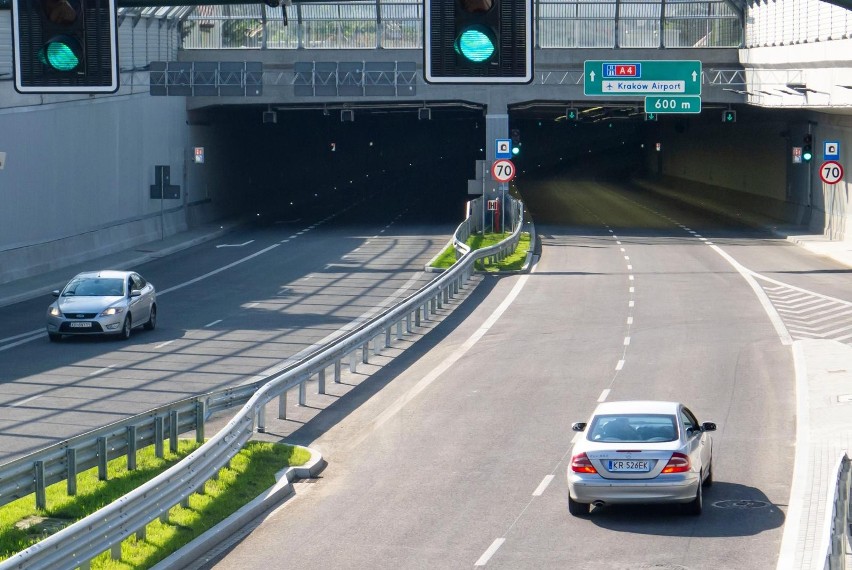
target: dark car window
94 287
633 428
689 421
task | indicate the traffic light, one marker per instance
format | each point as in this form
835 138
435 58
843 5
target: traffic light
65 46
807 148
572 114
729 116
515 135
478 41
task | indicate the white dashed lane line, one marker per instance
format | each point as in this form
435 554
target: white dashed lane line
208 325
604 395
539 491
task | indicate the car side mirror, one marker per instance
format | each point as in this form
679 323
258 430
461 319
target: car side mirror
136 293
55 293
578 426
708 426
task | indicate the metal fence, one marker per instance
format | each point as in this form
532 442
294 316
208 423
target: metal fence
399 25
792 22
77 544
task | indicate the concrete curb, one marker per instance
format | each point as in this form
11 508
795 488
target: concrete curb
282 489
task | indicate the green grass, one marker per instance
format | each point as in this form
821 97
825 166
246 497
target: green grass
513 262
250 472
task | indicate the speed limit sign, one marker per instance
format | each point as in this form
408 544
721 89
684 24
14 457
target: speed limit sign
831 172
503 170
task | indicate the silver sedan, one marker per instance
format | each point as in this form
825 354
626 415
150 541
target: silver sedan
640 452
102 302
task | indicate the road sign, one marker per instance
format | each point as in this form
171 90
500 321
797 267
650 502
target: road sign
504 148
661 77
672 104
198 155
797 155
831 150
503 170
492 205
831 172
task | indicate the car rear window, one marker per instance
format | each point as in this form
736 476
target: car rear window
633 428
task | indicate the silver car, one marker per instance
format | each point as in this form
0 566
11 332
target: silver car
640 452
102 302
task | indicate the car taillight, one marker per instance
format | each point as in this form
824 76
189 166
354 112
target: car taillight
679 463
580 464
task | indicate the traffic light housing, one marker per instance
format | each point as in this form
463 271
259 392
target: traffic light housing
729 116
478 41
65 46
808 148
515 135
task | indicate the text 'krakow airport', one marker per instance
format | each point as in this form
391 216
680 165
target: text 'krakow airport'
276 183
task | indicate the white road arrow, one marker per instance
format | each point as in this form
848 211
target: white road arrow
235 244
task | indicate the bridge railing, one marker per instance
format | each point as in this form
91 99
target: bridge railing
838 517
104 530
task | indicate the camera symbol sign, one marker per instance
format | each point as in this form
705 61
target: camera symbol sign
504 148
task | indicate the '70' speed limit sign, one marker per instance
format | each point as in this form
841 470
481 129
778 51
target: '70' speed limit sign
831 172
503 170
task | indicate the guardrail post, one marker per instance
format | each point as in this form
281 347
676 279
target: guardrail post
416 317
102 458
200 408
408 323
337 366
282 406
115 551
321 382
71 469
141 532
365 352
387 337
427 312
131 448
399 330
353 361
447 293
40 491
261 414
173 431
375 342
302 396
159 434
438 300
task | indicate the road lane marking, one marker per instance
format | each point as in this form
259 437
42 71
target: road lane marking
208 325
101 371
486 556
629 267
216 271
604 395
620 364
539 491
632 289
22 402
626 341
235 244
631 303
629 320
25 338
631 278
162 344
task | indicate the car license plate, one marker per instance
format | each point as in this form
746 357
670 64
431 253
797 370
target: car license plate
80 325
628 465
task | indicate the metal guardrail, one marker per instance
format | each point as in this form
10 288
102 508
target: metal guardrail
77 544
838 524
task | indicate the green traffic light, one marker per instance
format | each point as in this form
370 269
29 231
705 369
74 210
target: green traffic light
61 53
475 44
807 155
515 149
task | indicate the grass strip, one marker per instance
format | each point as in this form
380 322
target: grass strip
249 473
513 262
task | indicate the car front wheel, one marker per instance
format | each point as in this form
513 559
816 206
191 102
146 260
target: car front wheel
125 329
54 337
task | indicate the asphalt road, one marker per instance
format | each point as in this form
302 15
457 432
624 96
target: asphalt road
459 459
231 310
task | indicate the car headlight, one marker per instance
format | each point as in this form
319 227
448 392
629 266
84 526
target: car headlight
112 311
54 312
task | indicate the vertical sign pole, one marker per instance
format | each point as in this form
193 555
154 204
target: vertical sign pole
162 196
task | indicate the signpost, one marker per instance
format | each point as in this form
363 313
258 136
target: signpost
831 172
654 77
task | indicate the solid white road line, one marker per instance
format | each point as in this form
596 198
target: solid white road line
208 325
22 402
539 491
22 335
26 339
604 395
486 556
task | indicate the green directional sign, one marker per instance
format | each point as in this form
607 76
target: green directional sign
673 104
631 77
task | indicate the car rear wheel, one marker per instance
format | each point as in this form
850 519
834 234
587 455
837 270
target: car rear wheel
695 506
125 329
152 320
54 337
708 481
577 509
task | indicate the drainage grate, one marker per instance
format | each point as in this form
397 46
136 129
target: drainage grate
740 504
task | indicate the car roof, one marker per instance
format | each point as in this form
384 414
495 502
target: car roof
637 407
105 273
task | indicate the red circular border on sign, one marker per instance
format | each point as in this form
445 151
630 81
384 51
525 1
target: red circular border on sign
494 170
830 163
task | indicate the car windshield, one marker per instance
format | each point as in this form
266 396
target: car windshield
633 428
94 287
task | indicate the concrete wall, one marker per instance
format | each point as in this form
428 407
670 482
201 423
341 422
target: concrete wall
831 212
